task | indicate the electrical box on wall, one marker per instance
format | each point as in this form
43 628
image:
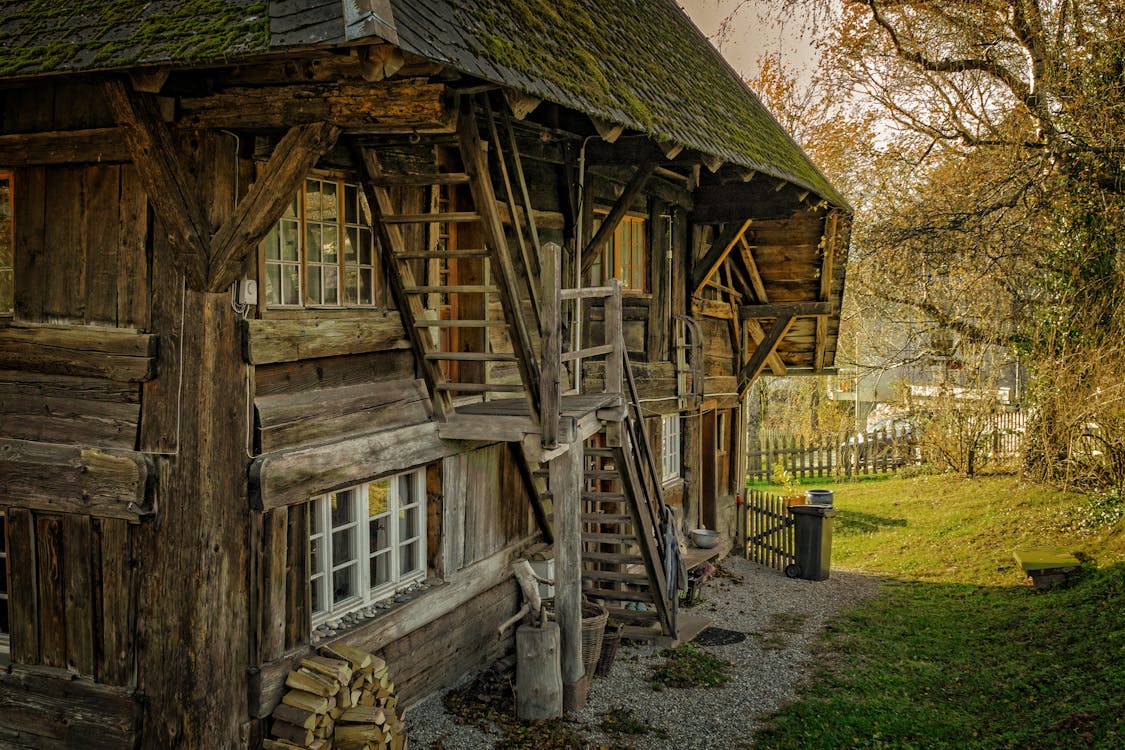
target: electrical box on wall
247 292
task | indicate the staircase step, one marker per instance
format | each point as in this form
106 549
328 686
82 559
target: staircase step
471 356
612 557
479 387
602 474
606 518
460 323
615 497
600 451
631 615
432 218
451 289
616 595
406 180
616 576
641 632
428 254
609 538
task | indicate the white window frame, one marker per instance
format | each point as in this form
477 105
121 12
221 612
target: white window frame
671 456
324 539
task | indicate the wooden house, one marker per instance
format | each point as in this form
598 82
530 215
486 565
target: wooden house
315 314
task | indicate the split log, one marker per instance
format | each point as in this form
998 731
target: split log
539 691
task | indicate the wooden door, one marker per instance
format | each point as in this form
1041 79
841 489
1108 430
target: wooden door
708 508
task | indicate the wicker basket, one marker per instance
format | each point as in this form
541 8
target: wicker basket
594 618
610 640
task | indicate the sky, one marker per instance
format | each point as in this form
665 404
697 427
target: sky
752 34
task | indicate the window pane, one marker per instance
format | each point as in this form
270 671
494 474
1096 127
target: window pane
273 284
314 517
379 533
313 242
314 588
316 554
315 294
272 245
366 251
343 545
380 569
408 523
367 287
378 498
289 242
351 201
343 583
408 559
351 284
342 508
291 291
351 244
406 489
331 278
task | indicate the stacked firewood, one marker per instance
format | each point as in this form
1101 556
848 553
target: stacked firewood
342 699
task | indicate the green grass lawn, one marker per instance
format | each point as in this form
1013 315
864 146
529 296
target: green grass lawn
959 650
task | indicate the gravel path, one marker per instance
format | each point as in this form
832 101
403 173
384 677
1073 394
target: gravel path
782 617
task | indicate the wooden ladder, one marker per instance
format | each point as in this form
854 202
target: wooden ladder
623 567
500 278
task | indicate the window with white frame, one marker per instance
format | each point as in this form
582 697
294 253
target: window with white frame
366 543
670 456
321 252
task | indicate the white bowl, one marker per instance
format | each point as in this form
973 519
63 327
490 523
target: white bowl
705 538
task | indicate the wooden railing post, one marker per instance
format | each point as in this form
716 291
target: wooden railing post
551 388
615 336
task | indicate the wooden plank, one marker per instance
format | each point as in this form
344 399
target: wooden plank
171 189
705 268
32 264
132 253
758 334
481 479
269 341
23 602
258 211
550 345
116 604
287 477
624 202
291 419
46 709
758 359
273 582
298 606
79 593
790 309
67 409
64 246
400 105
50 591
71 479
111 353
453 514
566 483
101 229
91 145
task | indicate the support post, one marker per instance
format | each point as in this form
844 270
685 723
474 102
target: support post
551 373
566 486
614 335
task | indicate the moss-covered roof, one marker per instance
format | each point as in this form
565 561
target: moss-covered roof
41 36
638 63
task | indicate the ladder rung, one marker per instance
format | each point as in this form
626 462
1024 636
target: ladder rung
612 557
428 254
472 356
597 536
600 451
618 596
602 474
459 323
615 496
451 289
433 218
616 576
480 387
444 178
614 519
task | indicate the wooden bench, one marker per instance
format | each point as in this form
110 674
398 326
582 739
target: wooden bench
1047 566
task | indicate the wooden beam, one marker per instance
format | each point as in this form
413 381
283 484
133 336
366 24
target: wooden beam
827 264
790 309
609 131
289 340
764 349
46 707
522 104
566 485
705 268
296 153
669 149
756 282
616 214
88 351
170 187
720 203
758 334
92 146
400 105
71 479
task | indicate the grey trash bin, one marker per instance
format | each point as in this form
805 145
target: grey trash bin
814 542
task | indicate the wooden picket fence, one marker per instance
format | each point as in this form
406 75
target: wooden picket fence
832 455
770 530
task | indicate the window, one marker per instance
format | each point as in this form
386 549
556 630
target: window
7 243
366 542
624 255
4 626
303 263
670 450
